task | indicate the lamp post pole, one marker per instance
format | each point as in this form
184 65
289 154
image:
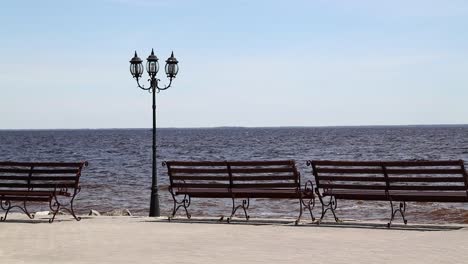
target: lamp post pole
152 67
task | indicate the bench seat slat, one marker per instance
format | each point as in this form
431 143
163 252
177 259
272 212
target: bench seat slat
418 196
25 193
263 178
352 178
200 185
264 185
42 164
174 164
428 187
200 178
262 163
351 171
425 179
425 171
360 194
27 198
388 163
198 170
38 178
261 170
352 186
245 193
204 192
39 171
38 185
272 193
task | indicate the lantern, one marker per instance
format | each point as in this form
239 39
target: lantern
171 66
136 68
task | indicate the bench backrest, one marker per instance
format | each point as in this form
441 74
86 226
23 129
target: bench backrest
348 174
427 175
198 174
40 176
447 175
280 174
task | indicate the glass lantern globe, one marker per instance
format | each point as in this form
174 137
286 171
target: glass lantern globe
152 65
136 68
172 67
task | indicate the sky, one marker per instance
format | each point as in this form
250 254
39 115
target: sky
65 64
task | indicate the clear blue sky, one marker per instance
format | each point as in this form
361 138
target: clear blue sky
64 64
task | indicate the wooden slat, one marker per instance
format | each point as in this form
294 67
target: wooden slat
425 179
262 170
261 163
263 178
38 178
201 178
427 187
424 171
345 163
39 171
25 192
264 185
36 185
198 170
352 186
44 164
28 198
417 163
351 178
387 163
348 170
199 185
195 163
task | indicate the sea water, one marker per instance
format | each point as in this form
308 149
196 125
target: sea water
119 171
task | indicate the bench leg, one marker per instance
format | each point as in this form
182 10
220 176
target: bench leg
54 206
401 209
309 204
71 209
330 205
6 206
184 203
245 206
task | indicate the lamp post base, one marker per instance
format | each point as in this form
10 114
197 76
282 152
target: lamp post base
154 204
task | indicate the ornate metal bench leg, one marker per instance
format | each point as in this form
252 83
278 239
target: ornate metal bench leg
31 216
71 210
330 205
300 212
54 206
245 206
401 209
184 203
333 205
309 204
6 205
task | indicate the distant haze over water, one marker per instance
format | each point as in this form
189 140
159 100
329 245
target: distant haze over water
119 172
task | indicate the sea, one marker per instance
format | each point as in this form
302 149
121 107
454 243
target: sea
119 171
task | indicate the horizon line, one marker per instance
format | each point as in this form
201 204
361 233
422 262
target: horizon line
221 127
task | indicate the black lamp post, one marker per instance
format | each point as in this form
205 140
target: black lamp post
152 67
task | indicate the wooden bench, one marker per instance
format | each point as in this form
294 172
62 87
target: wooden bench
392 181
54 183
237 180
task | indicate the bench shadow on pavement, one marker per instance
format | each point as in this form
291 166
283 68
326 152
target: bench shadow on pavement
308 224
